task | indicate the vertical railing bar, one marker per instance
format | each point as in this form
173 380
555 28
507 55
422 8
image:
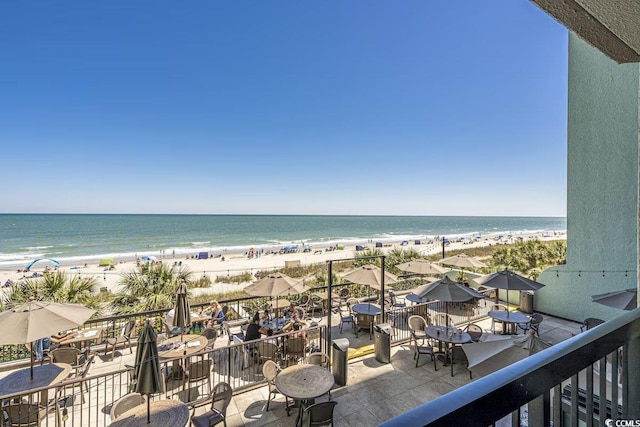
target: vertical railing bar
614 384
574 401
602 391
589 392
557 404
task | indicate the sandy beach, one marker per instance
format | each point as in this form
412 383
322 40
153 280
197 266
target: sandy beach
234 263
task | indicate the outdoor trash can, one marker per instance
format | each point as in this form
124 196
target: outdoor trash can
339 360
526 302
382 342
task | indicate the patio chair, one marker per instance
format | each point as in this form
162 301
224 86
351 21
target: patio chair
84 371
267 351
394 300
443 319
294 349
417 326
199 371
23 414
126 402
211 335
127 332
533 324
364 321
421 348
474 331
346 318
496 307
590 322
351 302
217 413
321 414
270 372
317 358
70 355
457 355
344 295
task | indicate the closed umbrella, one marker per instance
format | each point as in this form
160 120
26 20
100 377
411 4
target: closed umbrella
509 281
39 319
489 356
146 374
624 300
182 316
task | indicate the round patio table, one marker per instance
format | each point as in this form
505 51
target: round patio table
441 334
416 299
43 376
366 308
189 345
163 413
303 383
510 318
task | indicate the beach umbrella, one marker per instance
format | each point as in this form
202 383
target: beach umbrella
498 352
275 285
421 266
624 300
462 261
447 291
509 281
182 316
150 258
146 373
39 319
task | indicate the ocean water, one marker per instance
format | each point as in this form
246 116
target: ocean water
69 238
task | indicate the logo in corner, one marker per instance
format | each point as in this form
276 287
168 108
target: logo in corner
608 422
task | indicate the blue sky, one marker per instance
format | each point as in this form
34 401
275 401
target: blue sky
328 107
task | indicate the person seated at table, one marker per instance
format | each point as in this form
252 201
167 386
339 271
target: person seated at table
216 312
295 324
42 346
175 330
290 310
254 330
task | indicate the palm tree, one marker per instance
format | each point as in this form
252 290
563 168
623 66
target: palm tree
531 257
56 287
149 287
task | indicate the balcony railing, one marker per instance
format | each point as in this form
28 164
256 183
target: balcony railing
563 385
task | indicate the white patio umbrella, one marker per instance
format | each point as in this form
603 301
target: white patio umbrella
275 285
462 261
39 319
421 266
624 300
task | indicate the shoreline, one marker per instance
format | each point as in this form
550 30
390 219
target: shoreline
238 261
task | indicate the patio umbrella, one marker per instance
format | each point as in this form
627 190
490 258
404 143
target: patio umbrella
462 261
421 266
625 300
509 281
39 319
146 373
182 316
446 290
275 285
489 356
370 275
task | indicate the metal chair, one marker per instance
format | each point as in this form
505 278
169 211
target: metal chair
346 318
474 331
417 326
421 348
126 402
270 372
124 338
457 354
70 355
321 414
199 371
221 397
344 295
364 321
317 358
533 324
394 300
23 415
294 348
590 322
267 351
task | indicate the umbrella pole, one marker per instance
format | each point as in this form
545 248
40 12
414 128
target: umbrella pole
31 364
148 410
